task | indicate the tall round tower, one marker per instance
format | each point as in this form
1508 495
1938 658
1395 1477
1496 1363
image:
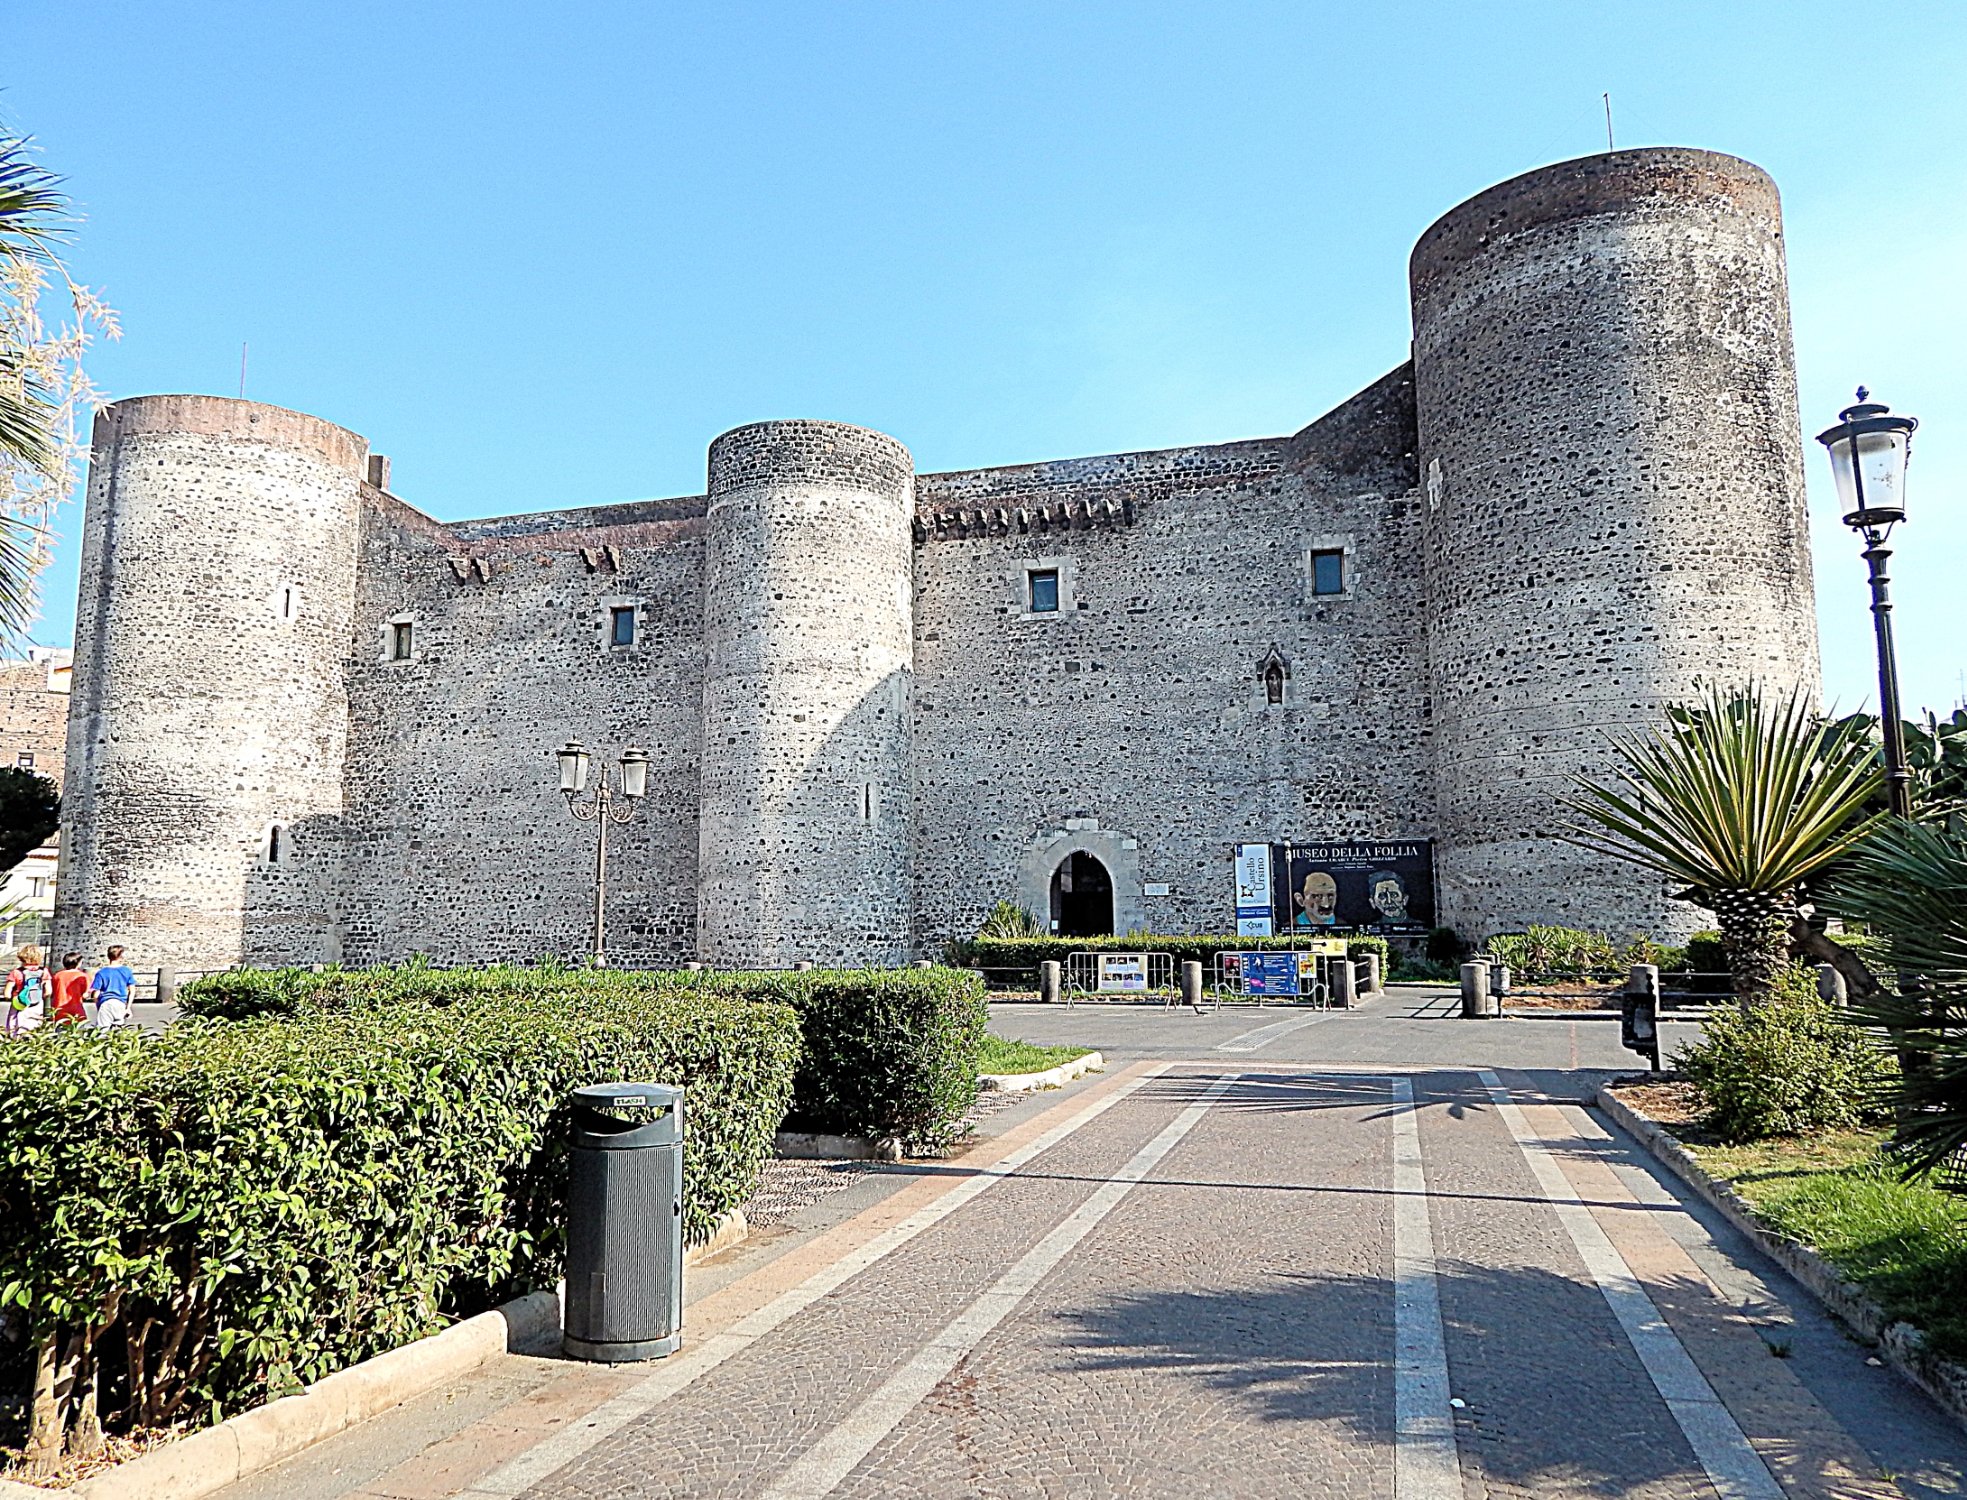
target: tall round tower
209 712
805 839
1610 456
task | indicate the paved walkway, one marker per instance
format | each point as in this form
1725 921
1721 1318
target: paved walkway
1217 1271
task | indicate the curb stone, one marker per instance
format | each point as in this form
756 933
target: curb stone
1900 1345
1018 1083
243 1445
804 1145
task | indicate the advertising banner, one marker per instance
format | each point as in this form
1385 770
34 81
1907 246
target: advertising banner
1382 885
1123 973
1255 897
1272 973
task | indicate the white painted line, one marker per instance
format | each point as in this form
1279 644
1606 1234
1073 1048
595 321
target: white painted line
821 1468
1724 1451
696 1360
1263 1036
1425 1463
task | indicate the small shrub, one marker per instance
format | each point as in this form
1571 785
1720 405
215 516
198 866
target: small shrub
1790 1066
1550 955
1706 954
1009 920
1446 948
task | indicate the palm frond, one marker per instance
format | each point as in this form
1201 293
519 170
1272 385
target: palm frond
1741 792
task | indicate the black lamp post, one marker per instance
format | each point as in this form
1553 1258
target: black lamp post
1869 449
601 809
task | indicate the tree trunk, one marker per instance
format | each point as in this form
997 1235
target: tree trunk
1755 928
44 1426
1859 982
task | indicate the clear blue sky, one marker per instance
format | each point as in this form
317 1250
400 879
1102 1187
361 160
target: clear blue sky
542 254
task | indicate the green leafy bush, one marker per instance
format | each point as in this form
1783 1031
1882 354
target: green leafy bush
1446 947
1706 954
888 1053
1547 955
1789 1066
1026 954
232 1209
1008 919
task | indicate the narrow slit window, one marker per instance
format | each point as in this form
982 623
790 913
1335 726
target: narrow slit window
287 603
1328 572
276 849
400 639
621 625
867 802
1044 589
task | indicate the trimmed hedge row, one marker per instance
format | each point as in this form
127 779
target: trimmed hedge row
1543 955
201 1221
888 1053
1029 953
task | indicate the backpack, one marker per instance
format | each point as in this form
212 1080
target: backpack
32 982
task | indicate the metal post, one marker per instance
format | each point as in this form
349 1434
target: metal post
1048 982
1192 984
601 800
1898 780
1475 990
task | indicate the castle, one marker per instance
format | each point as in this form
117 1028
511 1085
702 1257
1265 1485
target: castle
310 723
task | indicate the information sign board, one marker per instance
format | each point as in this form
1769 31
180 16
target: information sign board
1256 898
1123 974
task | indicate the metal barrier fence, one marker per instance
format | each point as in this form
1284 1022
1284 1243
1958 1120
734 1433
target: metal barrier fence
1132 975
1262 976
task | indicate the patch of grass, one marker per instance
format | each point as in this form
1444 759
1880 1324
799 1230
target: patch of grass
1904 1242
1008 1055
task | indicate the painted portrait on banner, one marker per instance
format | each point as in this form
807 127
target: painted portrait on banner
1364 885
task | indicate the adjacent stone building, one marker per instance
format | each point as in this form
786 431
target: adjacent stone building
311 723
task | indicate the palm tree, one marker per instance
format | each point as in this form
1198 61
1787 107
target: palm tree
1739 799
1908 884
33 412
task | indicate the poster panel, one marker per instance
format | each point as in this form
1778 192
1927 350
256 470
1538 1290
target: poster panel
1123 973
1367 885
1255 900
1270 974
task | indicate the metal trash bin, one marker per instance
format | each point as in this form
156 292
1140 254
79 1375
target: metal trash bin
625 1223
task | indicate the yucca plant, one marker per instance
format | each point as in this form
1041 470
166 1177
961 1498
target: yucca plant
1009 920
1908 884
1739 799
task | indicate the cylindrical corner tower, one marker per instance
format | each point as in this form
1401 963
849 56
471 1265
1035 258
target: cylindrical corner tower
809 644
209 709
1614 508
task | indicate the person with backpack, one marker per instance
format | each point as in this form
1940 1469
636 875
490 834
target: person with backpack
110 989
70 981
27 992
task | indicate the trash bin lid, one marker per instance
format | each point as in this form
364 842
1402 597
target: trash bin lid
656 1098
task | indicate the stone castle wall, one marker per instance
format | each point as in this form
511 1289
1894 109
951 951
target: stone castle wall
1583 491
1615 509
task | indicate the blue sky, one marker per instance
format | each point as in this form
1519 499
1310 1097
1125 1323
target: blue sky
541 255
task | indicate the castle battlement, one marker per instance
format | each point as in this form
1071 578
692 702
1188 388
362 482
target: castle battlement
311 723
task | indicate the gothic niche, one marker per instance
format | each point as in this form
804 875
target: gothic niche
1274 673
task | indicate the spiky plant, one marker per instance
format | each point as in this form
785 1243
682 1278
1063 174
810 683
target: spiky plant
1908 883
1738 799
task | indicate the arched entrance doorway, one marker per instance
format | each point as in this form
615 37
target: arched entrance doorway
1082 897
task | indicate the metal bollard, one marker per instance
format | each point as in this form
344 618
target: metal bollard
1498 980
1345 984
1476 1001
1192 984
1830 985
1048 982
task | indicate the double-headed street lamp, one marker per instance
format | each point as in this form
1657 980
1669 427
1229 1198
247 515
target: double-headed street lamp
601 808
1869 449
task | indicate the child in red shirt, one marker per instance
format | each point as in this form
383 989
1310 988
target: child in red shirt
71 982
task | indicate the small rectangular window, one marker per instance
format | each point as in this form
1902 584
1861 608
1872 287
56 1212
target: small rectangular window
1328 572
25 760
399 641
621 625
1044 590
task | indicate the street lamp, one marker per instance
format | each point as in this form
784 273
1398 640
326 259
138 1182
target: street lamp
1869 449
601 808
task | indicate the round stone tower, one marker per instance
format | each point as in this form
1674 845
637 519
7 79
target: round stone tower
804 845
209 713
1610 460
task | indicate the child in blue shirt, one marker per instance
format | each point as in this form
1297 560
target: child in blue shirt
110 989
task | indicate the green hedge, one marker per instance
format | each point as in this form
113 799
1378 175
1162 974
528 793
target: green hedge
233 1209
1028 953
888 1053
1544 955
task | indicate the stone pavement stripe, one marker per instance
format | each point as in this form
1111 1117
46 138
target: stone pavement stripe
1425 1466
1263 1036
1736 1469
833 1458
680 1369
